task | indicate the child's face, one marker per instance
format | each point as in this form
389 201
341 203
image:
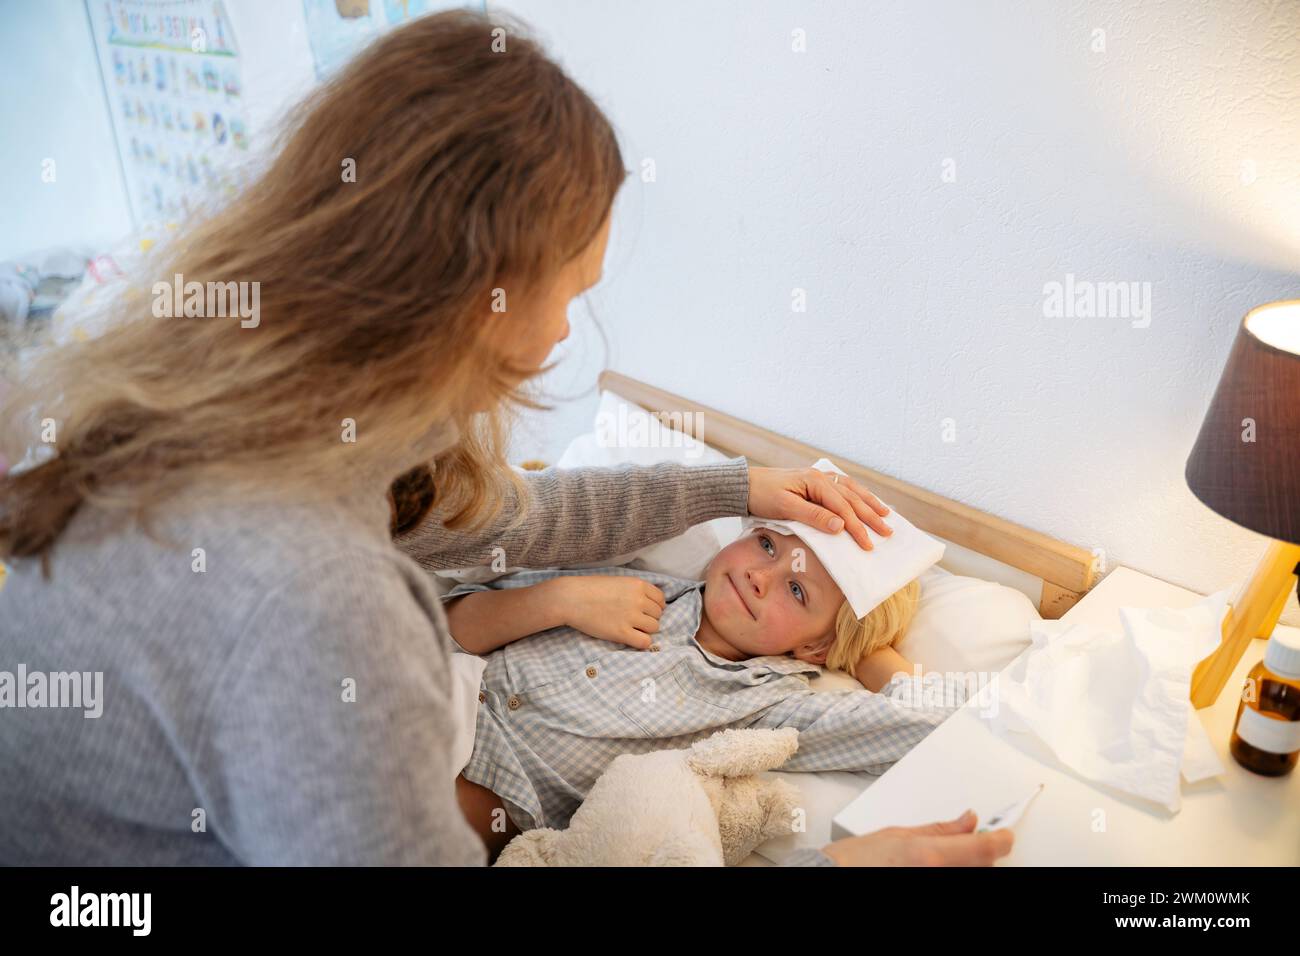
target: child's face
767 593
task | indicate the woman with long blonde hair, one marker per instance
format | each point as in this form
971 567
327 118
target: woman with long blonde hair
224 546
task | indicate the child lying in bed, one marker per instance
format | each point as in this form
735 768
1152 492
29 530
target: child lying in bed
631 661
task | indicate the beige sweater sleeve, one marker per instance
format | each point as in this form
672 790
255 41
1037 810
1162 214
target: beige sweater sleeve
585 515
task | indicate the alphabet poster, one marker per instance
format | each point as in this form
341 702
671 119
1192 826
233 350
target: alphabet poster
171 70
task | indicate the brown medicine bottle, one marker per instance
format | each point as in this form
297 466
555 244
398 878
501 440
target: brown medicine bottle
1266 736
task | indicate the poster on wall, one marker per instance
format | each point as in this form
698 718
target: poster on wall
171 71
337 29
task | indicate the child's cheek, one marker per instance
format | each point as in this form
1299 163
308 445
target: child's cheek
777 629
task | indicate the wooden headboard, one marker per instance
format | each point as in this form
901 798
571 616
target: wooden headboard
1066 571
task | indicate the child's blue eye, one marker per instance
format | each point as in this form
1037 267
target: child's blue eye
795 589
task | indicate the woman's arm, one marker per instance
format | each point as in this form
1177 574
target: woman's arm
585 515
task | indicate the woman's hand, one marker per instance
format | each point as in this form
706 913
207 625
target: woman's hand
811 496
622 610
950 843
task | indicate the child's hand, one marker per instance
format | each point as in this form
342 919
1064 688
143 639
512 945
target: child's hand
876 669
622 610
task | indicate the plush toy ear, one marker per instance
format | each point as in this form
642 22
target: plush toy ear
532 848
739 753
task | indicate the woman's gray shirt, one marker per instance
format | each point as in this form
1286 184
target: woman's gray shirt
272 678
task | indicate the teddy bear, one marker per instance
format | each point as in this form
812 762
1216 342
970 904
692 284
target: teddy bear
699 806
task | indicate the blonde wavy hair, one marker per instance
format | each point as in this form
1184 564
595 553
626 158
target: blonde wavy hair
854 639
476 168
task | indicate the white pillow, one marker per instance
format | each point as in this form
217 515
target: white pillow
962 624
967 624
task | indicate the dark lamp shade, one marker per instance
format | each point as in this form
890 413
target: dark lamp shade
1255 483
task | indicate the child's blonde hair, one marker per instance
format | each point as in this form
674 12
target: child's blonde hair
854 639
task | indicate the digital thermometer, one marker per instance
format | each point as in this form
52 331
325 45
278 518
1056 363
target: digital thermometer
1008 816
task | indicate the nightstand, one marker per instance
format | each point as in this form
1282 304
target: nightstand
1237 818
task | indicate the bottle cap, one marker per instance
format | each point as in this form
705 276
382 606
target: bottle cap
1282 655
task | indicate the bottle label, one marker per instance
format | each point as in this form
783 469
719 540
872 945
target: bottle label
1268 733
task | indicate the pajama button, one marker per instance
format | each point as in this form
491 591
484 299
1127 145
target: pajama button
514 702
591 672
482 697
653 647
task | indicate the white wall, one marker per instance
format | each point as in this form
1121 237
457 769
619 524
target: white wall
822 171
53 108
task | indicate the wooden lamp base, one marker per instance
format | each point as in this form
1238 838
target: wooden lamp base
1254 614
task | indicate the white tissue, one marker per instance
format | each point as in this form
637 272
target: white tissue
1114 705
867 578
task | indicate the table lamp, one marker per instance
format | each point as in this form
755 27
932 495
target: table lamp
1246 466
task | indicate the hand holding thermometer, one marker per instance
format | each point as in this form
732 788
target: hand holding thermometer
1008 816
